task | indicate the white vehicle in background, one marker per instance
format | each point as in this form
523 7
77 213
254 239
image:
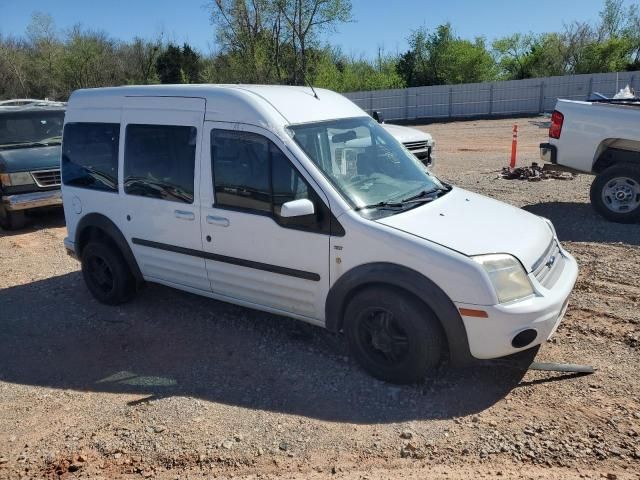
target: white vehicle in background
420 143
601 137
301 204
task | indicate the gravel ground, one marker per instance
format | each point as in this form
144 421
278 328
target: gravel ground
173 385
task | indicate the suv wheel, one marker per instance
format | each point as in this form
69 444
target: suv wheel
392 335
12 220
106 274
615 193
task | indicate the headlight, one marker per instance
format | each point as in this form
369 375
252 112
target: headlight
15 179
507 275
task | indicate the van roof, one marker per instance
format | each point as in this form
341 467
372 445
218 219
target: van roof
266 104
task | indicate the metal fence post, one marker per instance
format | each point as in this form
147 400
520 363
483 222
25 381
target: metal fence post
590 89
491 99
450 101
541 105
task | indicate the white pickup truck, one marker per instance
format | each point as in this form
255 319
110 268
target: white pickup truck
601 137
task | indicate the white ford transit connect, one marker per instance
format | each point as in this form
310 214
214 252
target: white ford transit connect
275 199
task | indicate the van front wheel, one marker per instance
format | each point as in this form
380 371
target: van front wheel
392 335
106 274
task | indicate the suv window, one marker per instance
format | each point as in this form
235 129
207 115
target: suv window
90 155
159 161
250 173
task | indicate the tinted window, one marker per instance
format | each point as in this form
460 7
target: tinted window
241 170
251 173
90 155
159 161
28 127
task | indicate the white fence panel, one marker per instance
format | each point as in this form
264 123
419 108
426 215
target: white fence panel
513 97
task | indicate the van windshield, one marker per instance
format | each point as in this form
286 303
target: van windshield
370 168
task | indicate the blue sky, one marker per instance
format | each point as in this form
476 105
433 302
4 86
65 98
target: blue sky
378 23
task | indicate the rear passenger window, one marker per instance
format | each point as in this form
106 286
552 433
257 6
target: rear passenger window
90 155
159 161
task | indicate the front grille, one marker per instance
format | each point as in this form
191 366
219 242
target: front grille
549 266
422 145
421 150
47 178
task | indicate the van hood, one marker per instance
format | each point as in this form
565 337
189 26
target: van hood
406 134
474 225
28 159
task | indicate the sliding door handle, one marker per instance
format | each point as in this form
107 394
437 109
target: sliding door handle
184 215
220 221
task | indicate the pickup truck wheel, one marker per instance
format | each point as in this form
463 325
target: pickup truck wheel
12 220
393 336
106 274
615 193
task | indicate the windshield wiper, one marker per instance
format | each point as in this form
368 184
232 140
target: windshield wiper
380 205
425 195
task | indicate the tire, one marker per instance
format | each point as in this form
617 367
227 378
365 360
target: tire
107 274
12 220
377 316
615 193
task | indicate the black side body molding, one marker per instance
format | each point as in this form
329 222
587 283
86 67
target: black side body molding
101 222
411 281
267 267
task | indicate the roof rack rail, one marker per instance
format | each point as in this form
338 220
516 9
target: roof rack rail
30 102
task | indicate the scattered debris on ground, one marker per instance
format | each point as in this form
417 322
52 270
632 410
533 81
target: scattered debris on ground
535 173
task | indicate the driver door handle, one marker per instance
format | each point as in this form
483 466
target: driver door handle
220 221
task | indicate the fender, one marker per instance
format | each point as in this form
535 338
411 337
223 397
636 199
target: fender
113 232
410 281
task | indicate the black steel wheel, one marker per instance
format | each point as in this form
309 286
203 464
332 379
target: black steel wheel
392 335
106 274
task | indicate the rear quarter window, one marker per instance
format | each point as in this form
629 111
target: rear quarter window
90 155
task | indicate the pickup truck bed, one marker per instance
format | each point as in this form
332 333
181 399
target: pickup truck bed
601 138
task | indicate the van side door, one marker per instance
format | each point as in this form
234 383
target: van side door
254 255
159 184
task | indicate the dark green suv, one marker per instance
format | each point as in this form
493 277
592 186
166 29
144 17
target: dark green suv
30 139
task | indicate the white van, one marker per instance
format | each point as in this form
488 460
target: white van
280 200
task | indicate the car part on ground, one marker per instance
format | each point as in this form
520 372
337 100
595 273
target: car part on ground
535 173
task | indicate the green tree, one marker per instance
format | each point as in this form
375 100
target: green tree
441 58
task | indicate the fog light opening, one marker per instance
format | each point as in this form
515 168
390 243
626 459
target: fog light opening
524 338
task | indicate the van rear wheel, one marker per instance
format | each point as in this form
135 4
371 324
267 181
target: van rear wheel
106 274
615 193
392 335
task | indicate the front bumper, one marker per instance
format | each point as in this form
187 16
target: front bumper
548 153
26 201
492 337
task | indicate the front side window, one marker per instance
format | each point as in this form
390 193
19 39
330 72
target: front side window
251 174
363 161
90 155
30 129
159 161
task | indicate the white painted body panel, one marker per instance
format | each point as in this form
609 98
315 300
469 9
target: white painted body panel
590 127
258 238
173 223
475 225
435 239
407 134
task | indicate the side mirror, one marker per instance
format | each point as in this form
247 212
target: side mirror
377 116
297 208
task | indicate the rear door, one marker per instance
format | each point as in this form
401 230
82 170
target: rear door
162 209
254 255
